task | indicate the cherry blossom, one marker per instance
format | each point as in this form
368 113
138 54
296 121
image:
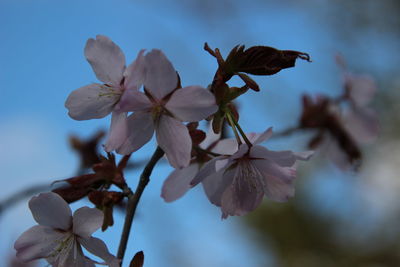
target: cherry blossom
162 108
59 234
238 183
178 182
96 100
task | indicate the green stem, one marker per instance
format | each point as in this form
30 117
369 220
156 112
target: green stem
229 115
231 122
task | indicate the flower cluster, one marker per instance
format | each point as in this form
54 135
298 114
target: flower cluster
147 97
163 105
160 108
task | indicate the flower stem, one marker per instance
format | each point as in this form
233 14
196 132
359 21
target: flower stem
236 124
133 201
232 124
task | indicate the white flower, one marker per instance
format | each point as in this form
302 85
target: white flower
238 183
59 235
96 100
162 108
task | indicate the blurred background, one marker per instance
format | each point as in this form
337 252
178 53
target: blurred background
337 218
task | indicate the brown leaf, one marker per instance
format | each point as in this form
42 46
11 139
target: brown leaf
197 136
71 194
87 149
249 82
138 260
261 60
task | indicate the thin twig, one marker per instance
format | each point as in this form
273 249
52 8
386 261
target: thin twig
134 201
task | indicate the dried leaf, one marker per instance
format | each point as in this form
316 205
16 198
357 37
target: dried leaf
197 136
249 82
138 260
261 60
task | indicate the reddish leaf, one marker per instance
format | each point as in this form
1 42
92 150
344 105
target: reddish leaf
87 149
197 136
261 60
249 82
71 194
138 260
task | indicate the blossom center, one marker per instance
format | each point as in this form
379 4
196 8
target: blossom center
108 91
248 175
64 245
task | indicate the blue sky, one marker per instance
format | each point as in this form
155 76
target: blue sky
41 62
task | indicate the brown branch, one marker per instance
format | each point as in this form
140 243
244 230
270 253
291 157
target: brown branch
134 199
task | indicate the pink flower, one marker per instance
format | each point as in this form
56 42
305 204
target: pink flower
96 100
59 235
162 108
178 182
238 183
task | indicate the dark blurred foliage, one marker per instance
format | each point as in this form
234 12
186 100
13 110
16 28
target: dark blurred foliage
298 235
300 238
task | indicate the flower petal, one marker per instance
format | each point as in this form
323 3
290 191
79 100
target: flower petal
243 149
282 158
140 131
93 101
206 170
37 242
178 182
161 77
245 193
118 131
222 164
71 254
227 146
192 103
106 59
133 100
278 181
86 221
362 88
49 209
240 198
362 124
263 137
135 73
98 248
173 137
215 185
210 139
